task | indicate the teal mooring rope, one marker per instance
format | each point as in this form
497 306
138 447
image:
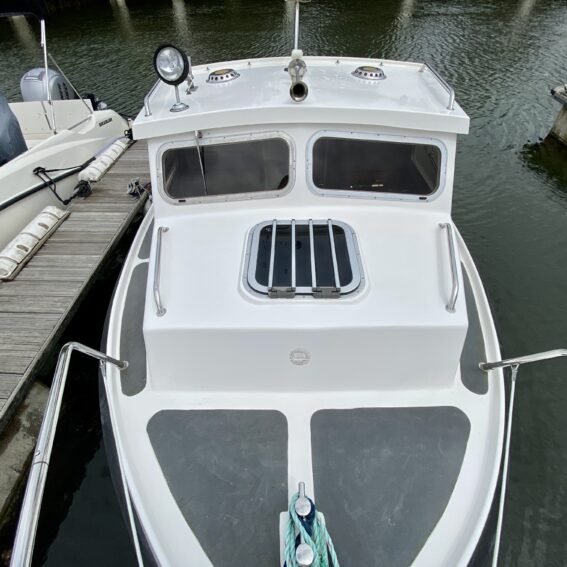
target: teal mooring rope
321 542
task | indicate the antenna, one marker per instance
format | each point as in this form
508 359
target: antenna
296 22
43 42
297 67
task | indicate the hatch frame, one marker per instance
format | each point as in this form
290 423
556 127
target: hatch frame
314 291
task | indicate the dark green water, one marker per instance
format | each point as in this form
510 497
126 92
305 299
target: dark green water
510 202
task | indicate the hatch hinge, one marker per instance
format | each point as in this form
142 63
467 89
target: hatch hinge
281 291
326 291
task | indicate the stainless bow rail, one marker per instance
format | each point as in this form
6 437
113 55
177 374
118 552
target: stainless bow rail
443 83
161 310
22 552
514 364
454 267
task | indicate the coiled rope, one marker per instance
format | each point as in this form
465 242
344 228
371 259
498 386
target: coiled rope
320 541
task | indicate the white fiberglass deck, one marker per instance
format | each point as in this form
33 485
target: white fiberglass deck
166 505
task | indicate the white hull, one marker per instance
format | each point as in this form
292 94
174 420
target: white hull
303 310
73 145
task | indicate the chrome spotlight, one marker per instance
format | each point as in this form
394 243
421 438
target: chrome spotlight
172 67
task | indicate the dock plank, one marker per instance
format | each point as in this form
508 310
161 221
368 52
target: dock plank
36 307
7 383
39 304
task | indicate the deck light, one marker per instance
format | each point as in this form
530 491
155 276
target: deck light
171 64
172 67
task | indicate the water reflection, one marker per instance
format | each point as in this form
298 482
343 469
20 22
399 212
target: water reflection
524 9
24 33
405 14
548 157
122 14
180 20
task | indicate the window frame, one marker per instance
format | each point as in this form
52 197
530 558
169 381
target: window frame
376 137
305 292
219 140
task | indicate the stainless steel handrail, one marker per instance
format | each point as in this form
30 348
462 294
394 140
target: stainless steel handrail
161 310
444 84
22 552
454 267
518 361
147 109
514 365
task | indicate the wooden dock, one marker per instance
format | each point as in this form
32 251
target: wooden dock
36 307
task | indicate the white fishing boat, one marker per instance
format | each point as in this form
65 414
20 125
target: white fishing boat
48 138
295 367
299 307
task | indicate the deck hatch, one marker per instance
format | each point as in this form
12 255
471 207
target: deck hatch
303 257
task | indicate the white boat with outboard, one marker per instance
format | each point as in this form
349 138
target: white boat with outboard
294 368
46 140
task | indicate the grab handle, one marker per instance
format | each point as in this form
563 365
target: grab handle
454 270
161 310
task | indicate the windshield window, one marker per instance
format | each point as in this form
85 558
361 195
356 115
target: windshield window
226 169
347 164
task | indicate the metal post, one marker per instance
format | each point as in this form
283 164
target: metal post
514 370
127 497
22 551
514 364
46 79
296 32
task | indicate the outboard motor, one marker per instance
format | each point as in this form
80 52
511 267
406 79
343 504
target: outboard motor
12 142
33 88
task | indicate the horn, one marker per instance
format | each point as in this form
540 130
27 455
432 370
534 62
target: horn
297 68
298 91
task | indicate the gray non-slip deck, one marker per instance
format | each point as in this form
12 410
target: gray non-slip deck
37 305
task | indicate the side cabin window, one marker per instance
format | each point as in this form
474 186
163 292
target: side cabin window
376 166
234 168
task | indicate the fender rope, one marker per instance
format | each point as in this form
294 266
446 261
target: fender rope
320 541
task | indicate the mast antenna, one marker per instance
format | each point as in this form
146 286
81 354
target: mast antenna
297 67
296 21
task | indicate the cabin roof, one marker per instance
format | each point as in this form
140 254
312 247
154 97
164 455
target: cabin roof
409 97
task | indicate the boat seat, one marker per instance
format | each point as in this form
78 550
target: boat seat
12 142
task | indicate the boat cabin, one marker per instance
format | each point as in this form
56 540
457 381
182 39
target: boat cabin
306 240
